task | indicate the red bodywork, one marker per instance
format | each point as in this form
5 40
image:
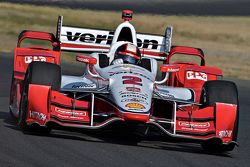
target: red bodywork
191 75
196 124
23 56
51 106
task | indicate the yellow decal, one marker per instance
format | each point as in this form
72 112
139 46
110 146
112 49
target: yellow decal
135 105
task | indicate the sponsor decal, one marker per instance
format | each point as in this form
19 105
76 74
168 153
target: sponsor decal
134 100
128 72
134 93
84 85
196 75
173 69
70 112
90 38
134 96
119 72
85 59
138 95
194 125
166 95
225 133
170 68
29 59
135 105
37 115
133 89
128 66
107 39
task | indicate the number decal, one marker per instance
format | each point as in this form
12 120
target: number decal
132 80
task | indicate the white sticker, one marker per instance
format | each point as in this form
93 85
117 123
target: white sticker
196 75
29 59
225 133
37 115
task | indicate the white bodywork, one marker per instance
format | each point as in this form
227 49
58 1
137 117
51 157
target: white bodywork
130 88
96 40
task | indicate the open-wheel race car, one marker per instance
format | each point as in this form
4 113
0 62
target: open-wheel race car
119 85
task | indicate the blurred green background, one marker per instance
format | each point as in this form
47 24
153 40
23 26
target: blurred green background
224 39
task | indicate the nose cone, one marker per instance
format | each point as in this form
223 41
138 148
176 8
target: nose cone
132 93
136 117
131 88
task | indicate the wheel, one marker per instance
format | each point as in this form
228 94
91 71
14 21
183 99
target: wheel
13 101
224 92
41 73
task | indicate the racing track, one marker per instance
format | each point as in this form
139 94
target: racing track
100 149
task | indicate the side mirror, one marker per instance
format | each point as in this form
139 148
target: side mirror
86 59
169 68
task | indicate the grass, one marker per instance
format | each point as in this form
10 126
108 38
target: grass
225 40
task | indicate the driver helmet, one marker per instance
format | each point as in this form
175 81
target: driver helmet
127 53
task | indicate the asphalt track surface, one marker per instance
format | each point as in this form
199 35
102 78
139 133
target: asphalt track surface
166 7
67 148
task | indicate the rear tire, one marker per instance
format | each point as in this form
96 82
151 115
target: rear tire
13 101
40 73
224 92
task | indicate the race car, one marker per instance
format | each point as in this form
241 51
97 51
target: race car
120 85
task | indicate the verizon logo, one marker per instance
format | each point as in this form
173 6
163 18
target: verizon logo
107 39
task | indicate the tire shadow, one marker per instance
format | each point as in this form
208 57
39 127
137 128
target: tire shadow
8 120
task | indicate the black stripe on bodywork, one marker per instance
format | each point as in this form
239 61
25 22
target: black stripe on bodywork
68 121
196 133
196 119
68 107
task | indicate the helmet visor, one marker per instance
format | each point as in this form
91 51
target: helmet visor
126 59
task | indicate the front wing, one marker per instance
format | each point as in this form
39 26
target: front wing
198 124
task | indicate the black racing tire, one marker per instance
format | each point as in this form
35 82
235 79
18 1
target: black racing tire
12 97
41 73
224 92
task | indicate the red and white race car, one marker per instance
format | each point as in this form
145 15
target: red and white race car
119 85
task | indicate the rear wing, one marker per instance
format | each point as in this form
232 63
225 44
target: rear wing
27 34
187 51
96 40
24 55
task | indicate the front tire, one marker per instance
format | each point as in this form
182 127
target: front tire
40 73
224 92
